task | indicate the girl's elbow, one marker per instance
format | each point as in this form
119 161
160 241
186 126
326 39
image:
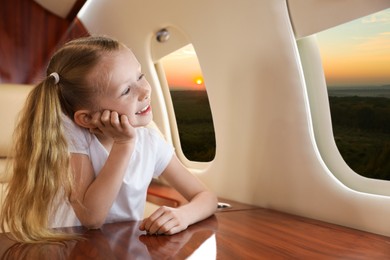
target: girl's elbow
212 196
92 223
212 199
93 226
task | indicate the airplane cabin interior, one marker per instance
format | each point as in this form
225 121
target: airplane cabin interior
284 189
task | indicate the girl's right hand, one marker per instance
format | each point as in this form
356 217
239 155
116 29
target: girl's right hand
111 124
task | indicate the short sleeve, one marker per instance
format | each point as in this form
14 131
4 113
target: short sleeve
163 152
77 137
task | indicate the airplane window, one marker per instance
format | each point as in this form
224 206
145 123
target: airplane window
356 62
191 104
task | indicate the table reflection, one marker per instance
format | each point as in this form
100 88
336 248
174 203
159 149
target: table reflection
38 251
118 241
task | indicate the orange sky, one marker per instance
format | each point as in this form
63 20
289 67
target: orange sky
358 52
183 71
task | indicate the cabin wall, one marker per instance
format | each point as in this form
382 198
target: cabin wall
266 149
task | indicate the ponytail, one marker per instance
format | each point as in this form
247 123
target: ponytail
41 177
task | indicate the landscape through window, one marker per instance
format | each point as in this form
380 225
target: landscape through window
191 104
356 61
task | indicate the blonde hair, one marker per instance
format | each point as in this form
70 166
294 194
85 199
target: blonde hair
41 175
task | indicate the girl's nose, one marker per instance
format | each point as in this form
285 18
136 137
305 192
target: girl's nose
144 93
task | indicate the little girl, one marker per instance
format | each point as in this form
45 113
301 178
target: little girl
82 139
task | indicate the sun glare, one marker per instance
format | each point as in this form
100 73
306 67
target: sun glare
199 81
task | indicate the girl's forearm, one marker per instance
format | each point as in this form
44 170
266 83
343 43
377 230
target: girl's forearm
201 206
102 192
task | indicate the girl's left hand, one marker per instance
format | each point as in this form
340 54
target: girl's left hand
110 123
165 220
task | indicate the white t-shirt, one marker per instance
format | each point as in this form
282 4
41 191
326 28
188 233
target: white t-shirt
150 157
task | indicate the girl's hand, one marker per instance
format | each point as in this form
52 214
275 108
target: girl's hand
112 125
165 220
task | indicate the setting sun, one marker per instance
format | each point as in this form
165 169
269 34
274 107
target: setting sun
199 80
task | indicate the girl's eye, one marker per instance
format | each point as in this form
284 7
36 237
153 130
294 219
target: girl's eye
141 76
127 91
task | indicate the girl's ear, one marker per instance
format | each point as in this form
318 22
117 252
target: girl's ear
83 118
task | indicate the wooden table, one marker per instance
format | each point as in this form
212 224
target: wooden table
241 232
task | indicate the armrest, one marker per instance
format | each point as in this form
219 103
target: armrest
164 195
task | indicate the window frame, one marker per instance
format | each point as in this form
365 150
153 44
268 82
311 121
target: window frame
317 95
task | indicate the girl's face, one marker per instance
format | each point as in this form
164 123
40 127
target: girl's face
127 90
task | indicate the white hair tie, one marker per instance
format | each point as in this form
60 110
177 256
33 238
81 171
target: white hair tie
56 77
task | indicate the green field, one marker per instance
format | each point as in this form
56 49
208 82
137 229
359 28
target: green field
361 127
195 124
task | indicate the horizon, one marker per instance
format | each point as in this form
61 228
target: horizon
181 88
359 86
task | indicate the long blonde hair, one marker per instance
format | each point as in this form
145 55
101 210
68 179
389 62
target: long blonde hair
41 174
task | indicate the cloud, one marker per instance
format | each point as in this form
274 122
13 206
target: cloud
379 43
183 53
381 17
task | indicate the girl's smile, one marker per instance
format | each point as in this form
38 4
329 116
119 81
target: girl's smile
144 110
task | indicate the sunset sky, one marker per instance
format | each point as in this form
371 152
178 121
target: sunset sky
183 70
356 54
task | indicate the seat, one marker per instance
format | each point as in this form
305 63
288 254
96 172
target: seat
12 98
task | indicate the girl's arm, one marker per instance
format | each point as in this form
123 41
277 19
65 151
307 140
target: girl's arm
94 196
202 202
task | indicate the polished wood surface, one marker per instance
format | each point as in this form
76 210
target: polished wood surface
252 233
267 234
